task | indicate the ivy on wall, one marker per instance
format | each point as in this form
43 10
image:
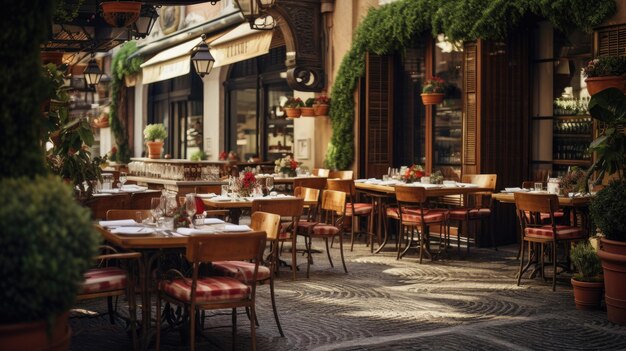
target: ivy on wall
392 27
120 67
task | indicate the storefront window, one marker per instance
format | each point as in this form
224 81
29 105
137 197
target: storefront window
244 123
279 131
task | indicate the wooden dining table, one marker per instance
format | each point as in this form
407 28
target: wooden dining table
235 206
384 193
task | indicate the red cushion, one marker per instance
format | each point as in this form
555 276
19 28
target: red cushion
241 270
393 211
284 235
460 214
325 230
199 205
562 232
104 279
359 209
209 289
546 216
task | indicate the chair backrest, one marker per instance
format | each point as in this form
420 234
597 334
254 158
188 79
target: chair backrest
320 172
314 182
127 214
341 174
333 200
343 185
289 207
530 205
265 222
225 247
411 194
482 180
307 194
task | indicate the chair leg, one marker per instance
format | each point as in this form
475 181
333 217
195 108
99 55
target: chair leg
328 253
294 241
252 326
272 297
192 327
521 263
110 309
421 238
132 310
353 220
233 318
158 318
554 267
458 238
542 262
309 259
341 251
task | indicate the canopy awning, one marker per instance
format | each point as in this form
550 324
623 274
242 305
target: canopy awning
240 44
170 63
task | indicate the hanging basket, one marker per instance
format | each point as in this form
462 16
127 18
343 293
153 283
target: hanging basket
292 112
597 84
121 13
307 111
432 98
321 109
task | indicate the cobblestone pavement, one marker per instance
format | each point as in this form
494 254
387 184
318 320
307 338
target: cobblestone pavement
456 303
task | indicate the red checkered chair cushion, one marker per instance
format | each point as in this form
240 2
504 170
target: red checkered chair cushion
240 270
209 289
546 216
304 226
413 216
104 279
562 232
359 209
284 234
473 213
393 212
325 230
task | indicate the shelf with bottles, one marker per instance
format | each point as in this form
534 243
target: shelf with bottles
571 106
569 150
571 126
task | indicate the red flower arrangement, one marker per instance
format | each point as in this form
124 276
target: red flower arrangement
223 156
413 173
246 184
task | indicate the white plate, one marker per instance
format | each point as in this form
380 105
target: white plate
134 231
206 196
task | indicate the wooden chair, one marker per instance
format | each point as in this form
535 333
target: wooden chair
290 208
108 280
559 214
214 292
333 211
355 210
320 172
308 195
341 174
315 183
128 214
412 213
477 207
242 271
536 233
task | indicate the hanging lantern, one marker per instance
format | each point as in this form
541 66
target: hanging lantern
92 73
144 24
202 59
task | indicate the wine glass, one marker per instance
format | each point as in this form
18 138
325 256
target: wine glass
190 205
269 184
123 179
156 209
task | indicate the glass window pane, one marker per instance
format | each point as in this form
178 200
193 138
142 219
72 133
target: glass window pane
244 123
279 128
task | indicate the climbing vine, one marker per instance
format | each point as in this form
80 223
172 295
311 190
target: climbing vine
392 27
120 67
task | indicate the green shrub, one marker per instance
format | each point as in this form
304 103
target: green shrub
154 132
309 102
47 242
199 155
608 211
587 263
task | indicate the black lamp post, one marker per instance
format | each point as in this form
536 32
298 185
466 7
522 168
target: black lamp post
92 73
144 24
202 59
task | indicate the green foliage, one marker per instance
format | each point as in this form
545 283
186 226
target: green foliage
587 262
69 157
47 242
65 12
199 155
309 102
434 85
121 66
608 211
292 102
605 66
392 27
609 107
154 132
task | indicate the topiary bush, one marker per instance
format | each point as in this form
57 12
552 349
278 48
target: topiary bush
47 241
587 263
608 211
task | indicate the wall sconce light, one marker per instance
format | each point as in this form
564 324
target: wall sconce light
92 73
202 59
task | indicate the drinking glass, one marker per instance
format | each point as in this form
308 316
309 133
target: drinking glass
123 178
198 220
190 205
224 190
156 209
538 186
269 184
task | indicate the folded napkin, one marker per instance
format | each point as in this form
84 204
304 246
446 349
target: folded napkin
467 185
134 188
120 223
190 231
110 191
221 198
213 221
132 230
360 180
513 190
373 181
206 196
236 228
388 182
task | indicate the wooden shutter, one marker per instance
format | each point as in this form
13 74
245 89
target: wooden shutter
470 121
612 41
378 114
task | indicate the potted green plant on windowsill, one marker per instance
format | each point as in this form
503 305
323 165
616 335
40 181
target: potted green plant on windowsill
292 107
154 134
321 105
433 91
588 283
605 72
307 110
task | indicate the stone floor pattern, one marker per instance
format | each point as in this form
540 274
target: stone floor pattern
455 303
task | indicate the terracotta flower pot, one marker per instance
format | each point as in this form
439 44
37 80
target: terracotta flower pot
154 148
587 295
613 256
293 112
307 111
35 336
121 13
597 84
321 109
432 98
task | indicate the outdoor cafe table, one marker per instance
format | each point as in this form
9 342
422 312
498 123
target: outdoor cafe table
385 192
234 206
151 246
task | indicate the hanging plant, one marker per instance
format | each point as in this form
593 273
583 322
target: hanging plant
122 66
394 26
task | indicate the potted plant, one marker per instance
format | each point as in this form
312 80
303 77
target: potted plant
321 105
120 13
433 91
587 283
605 72
154 134
308 110
286 166
292 107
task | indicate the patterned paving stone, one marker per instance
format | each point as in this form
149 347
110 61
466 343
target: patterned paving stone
456 303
